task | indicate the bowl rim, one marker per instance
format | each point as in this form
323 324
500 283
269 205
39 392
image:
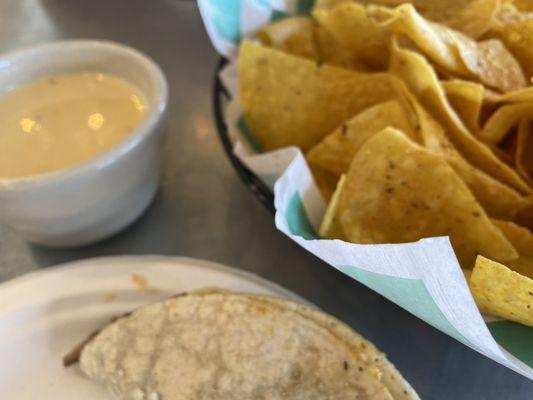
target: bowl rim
139 134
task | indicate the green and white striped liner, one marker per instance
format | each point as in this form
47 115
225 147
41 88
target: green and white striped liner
423 277
228 21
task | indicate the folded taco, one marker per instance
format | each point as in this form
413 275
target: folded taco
214 344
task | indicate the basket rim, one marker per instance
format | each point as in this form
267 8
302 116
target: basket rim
258 188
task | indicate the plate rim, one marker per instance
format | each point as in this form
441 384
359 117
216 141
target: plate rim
146 258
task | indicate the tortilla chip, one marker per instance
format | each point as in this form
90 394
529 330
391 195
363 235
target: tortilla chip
474 19
517 96
523 266
513 27
491 96
525 215
524 5
503 155
503 121
292 35
518 37
508 14
330 51
325 4
522 240
491 63
519 236
457 53
468 274
466 99
490 104
434 40
330 228
497 199
336 151
397 192
325 180
289 100
350 25
524 150
422 81
502 292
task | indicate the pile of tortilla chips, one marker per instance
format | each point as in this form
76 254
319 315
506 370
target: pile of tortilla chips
417 121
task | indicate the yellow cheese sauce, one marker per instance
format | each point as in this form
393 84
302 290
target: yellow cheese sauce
63 120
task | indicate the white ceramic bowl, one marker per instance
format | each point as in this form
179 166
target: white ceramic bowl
92 200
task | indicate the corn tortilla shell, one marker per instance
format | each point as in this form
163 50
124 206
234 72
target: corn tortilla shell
205 345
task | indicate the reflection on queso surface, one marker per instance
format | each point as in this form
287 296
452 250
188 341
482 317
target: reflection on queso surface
63 120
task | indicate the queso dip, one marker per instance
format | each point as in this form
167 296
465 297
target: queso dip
63 120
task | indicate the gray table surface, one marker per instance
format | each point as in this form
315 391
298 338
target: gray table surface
203 210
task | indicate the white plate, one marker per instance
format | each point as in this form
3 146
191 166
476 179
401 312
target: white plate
45 314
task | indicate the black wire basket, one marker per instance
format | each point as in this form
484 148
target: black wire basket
256 185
